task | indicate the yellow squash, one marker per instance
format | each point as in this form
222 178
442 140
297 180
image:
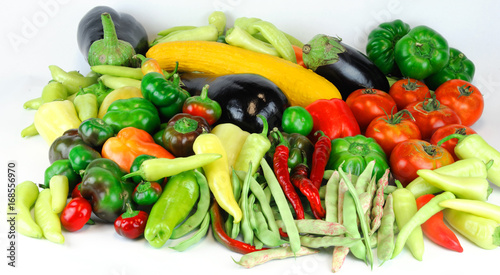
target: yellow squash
301 86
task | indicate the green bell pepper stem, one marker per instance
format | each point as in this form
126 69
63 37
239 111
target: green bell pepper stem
218 19
115 82
29 131
33 104
254 149
72 82
238 37
474 146
173 206
115 70
86 106
155 169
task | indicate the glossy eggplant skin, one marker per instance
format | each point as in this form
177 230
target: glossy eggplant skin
127 29
242 97
352 70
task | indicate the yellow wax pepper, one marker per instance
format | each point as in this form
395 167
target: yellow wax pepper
52 119
232 138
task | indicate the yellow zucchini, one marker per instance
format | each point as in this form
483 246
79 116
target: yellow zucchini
301 86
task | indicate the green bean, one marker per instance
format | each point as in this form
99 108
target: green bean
377 209
351 224
200 233
282 203
262 232
121 71
252 259
386 232
29 131
423 214
233 229
340 200
115 82
257 243
246 228
328 241
317 227
384 180
48 220
331 197
201 209
25 196
264 204
338 257
365 177
59 188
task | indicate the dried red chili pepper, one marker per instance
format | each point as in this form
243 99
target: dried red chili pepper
280 165
436 230
299 178
321 155
222 237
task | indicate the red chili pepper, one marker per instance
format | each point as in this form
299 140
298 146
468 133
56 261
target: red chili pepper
436 230
76 214
304 184
76 191
132 223
280 165
221 236
321 154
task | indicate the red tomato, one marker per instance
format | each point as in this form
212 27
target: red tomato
76 214
430 115
367 104
463 98
448 130
408 90
298 55
389 131
411 155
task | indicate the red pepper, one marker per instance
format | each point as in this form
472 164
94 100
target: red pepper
436 230
333 117
131 224
76 214
304 184
221 236
321 155
76 191
280 165
202 105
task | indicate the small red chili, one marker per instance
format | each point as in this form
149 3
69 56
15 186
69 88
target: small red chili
131 224
300 180
76 214
321 155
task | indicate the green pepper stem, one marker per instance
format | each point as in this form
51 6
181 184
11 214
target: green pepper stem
130 212
281 139
133 174
108 27
265 125
204 92
452 136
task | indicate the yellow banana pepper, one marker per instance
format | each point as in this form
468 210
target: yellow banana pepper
52 119
232 138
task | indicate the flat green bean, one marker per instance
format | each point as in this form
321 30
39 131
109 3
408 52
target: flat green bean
200 233
331 197
259 257
385 234
245 225
327 241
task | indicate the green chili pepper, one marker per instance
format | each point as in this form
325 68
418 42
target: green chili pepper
484 232
147 193
48 220
136 164
72 82
218 19
238 37
421 52
254 149
116 82
98 89
61 167
132 112
59 190
168 31
174 205
120 71
166 95
405 207
33 104
29 131
202 33
479 208
94 132
26 194
458 67
474 146
54 91
80 156
86 106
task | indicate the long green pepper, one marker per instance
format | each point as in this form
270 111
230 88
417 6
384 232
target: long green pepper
254 149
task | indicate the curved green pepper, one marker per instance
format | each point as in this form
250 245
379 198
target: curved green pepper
173 206
132 112
381 43
167 96
421 52
94 132
103 188
136 166
356 152
458 67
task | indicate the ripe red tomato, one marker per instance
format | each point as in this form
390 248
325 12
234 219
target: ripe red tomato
76 214
463 98
408 90
448 130
430 115
391 130
367 104
409 156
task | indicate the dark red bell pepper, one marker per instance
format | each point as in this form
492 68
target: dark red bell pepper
333 117
131 224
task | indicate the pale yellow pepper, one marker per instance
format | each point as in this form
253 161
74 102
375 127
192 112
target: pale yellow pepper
52 119
120 93
232 138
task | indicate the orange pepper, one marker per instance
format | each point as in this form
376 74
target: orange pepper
129 143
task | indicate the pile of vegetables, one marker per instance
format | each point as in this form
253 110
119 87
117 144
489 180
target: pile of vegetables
282 148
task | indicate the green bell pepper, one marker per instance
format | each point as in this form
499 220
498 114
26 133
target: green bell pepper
458 67
356 152
421 52
103 187
94 132
166 95
80 156
381 43
133 112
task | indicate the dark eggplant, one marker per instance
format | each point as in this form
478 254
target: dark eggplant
242 97
127 29
347 68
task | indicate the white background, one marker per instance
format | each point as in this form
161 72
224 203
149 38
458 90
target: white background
36 34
